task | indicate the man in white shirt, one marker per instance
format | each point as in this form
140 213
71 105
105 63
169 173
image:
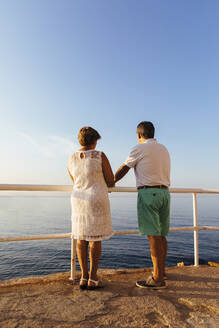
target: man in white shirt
151 163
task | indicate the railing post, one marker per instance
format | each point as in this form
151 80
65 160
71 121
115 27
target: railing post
195 225
73 259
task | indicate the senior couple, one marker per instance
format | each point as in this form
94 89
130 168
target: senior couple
91 174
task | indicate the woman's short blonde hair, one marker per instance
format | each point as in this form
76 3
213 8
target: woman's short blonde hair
87 136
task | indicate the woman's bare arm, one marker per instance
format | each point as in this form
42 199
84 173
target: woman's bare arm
71 176
107 171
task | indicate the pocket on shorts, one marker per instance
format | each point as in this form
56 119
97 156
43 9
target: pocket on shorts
149 198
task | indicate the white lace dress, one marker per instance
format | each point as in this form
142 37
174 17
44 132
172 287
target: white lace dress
91 219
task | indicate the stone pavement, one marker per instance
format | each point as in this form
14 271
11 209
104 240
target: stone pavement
191 299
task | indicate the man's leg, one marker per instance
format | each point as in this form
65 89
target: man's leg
158 255
149 218
165 223
165 247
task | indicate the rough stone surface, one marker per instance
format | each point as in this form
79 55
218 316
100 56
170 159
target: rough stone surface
191 299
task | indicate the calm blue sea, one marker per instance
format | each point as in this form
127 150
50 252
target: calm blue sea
37 213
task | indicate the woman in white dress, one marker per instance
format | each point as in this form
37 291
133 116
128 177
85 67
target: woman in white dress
91 174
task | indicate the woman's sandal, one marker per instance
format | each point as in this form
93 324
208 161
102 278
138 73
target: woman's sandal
97 284
83 286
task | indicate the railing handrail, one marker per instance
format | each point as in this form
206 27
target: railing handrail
68 188
117 232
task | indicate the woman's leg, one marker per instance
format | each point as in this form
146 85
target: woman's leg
82 252
95 253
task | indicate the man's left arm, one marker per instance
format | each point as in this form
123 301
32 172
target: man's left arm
130 162
121 172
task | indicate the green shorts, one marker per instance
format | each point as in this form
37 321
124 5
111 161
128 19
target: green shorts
153 211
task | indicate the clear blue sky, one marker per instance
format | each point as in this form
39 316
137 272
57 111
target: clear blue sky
108 64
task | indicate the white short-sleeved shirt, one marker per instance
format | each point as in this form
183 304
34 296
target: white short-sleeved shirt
151 162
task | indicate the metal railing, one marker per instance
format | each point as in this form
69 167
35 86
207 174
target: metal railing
195 228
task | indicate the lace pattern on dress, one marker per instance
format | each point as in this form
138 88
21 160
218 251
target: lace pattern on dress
91 219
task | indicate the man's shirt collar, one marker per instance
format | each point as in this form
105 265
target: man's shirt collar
150 140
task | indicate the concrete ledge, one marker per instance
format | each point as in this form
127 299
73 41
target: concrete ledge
191 299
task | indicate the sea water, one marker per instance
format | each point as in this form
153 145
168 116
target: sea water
32 213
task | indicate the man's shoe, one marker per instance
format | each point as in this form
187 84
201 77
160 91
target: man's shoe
151 283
